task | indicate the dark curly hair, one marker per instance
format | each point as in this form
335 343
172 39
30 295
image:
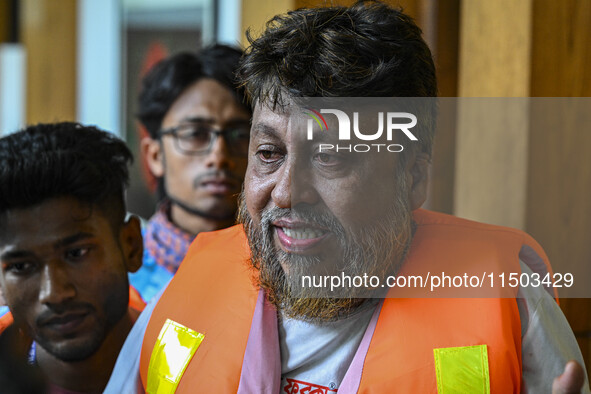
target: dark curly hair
366 50
64 159
169 78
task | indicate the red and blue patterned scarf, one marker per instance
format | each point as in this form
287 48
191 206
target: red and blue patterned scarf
164 241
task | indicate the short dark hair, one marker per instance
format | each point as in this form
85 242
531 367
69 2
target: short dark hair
64 159
169 78
366 50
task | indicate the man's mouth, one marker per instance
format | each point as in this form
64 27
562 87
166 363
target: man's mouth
298 236
219 185
66 323
302 233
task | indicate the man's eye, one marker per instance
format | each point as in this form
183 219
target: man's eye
268 156
327 159
19 267
76 253
198 134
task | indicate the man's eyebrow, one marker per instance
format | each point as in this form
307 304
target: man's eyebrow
203 119
197 119
325 136
264 129
72 239
16 254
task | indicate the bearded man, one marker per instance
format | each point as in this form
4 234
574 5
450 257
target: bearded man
327 203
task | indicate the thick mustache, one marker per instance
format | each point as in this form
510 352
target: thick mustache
216 174
55 313
312 216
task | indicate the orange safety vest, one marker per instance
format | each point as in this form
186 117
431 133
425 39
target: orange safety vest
213 294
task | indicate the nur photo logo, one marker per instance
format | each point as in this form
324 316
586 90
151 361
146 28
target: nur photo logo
388 123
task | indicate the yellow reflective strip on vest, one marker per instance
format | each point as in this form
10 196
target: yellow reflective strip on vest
462 370
174 348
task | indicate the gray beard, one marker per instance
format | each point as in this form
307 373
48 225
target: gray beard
377 250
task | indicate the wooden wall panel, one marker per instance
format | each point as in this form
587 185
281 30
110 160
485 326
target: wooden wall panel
445 46
561 52
559 208
255 13
411 7
5 22
559 185
48 32
491 159
320 3
441 31
539 176
495 48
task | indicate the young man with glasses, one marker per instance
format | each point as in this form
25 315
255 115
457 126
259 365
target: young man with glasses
199 127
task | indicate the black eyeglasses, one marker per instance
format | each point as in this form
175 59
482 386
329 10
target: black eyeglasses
197 138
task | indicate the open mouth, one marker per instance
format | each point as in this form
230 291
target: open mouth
302 233
298 236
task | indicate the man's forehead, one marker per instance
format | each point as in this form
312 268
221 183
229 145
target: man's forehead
269 109
50 220
279 118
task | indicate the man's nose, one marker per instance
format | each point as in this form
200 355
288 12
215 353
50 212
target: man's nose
294 185
219 155
56 286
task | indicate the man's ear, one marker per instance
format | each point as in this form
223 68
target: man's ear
132 243
151 149
418 171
